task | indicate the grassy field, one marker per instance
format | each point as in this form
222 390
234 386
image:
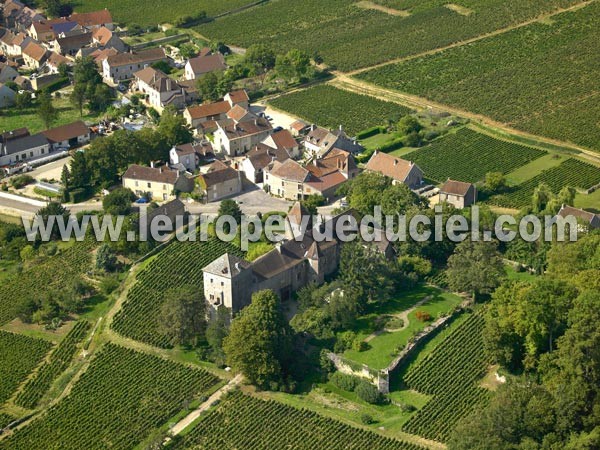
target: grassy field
385 346
527 78
142 13
350 37
331 107
12 118
468 155
534 168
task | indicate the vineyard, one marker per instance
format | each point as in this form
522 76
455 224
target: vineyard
526 78
5 419
330 107
244 422
137 12
122 397
468 156
450 373
571 172
179 264
349 37
19 355
58 362
57 272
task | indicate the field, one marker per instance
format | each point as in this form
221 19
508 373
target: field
57 363
331 107
350 37
467 156
11 118
572 173
19 355
56 272
5 419
542 78
122 397
141 13
244 422
385 346
450 373
179 264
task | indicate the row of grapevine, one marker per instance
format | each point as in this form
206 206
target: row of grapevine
450 373
526 77
330 107
571 172
56 272
467 156
19 355
245 422
121 398
57 363
349 36
5 419
179 264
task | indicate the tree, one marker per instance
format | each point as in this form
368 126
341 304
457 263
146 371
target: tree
208 87
261 58
366 190
106 259
216 331
85 71
173 128
542 195
46 110
53 209
183 315
23 100
78 97
259 341
100 96
118 202
312 202
230 208
408 124
495 182
80 174
475 267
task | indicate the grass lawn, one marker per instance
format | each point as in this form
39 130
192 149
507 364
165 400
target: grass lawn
13 118
385 346
534 168
588 201
375 142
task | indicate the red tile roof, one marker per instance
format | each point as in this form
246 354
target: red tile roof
456 187
91 19
209 109
390 166
66 132
159 175
204 64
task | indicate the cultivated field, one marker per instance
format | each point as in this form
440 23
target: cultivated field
331 107
350 36
142 13
179 264
244 422
119 400
56 272
19 355
467 156
572 173
450 373
542 78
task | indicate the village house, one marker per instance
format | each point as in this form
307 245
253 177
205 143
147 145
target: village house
19 16
586 220
19 145
7 96
12 45
70 45
105 38
399 170
299 128
219 181
34 55
283 140
240 132
458 194
160 90
191 156
93 20
319 141
298 260
55 60
68 136
7 73
49 30
23 83
201 65
286 179
122 66
158 183
258 158
203 118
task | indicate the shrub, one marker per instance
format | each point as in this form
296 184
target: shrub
21 181
423 316
344 341
392 145
79 195
366 419
343 381
359 345
368 393
109 284
370 132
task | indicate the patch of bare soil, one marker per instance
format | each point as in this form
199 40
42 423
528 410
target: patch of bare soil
462 10
364 4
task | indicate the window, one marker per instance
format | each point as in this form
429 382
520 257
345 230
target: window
164 187
31 154
136 183
149 185
211 280
222 284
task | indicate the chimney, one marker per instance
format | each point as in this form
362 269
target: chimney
341 128
312 127
152 164
237 266
395 162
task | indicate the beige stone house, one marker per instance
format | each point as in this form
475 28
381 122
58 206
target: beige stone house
122 66
160 90
203 118
398 169
458 193
201 65
219 181
34 55
240 132
587 220
159 183
320 141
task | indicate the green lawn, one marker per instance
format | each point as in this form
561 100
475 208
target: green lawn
589 201
374 142
512 274
534 168
384 347
13 118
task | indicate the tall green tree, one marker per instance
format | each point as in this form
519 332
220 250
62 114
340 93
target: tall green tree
78 97
259 341
173 128
46 110
183 315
